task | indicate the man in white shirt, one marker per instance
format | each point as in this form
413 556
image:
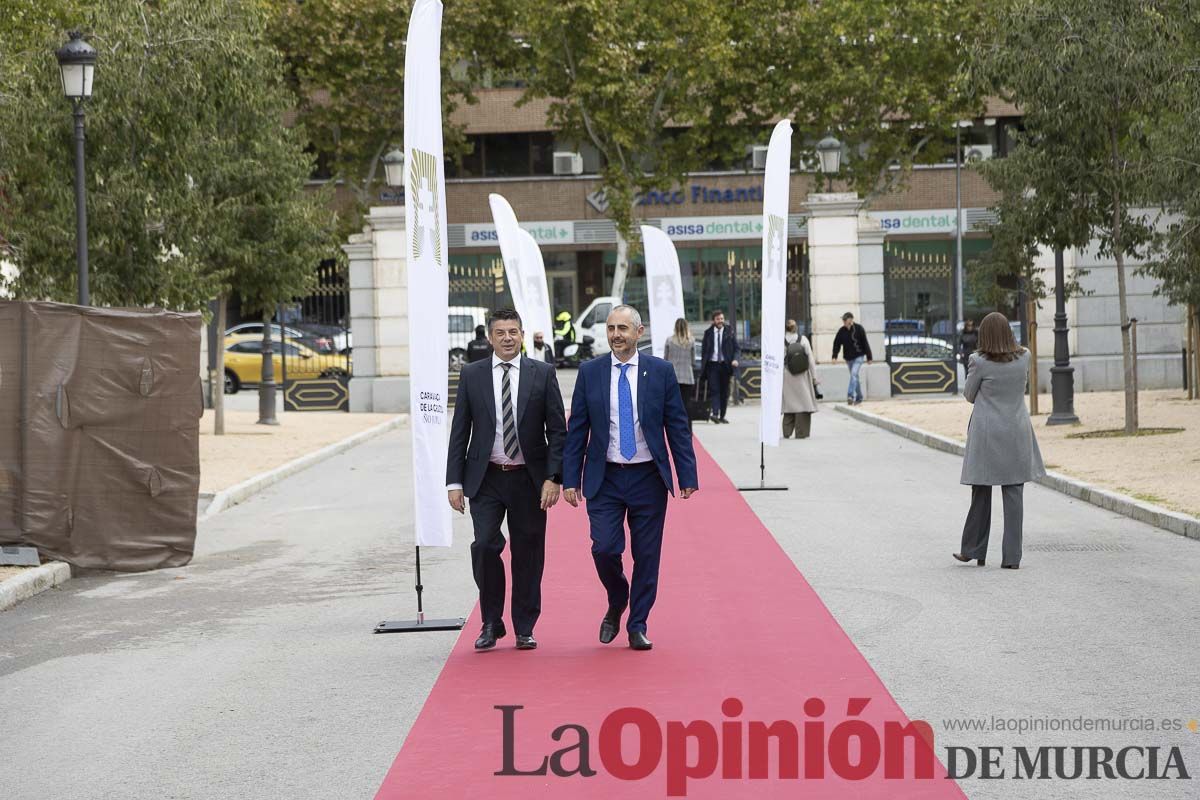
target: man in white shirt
625 412
505 454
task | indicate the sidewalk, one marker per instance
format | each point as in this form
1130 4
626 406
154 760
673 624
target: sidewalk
1156 469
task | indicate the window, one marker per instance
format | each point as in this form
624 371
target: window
506 154
461 323
245 347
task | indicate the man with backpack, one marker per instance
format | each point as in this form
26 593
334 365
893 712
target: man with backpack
799 384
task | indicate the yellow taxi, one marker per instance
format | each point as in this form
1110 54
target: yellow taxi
243 361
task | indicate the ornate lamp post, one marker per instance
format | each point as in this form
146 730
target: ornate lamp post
77 63
1062 374
393 168
829 152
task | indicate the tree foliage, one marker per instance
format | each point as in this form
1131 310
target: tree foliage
1091 80
885 78
345 65
192 182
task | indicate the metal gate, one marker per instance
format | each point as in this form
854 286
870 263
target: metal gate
317 345
476 290
920 334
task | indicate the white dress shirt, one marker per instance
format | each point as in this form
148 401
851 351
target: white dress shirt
498 456
614 414
716 353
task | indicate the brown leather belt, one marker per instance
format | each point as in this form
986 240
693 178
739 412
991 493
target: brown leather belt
506 467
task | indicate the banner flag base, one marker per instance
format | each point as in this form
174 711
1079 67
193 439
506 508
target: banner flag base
417 625
420 623
762 481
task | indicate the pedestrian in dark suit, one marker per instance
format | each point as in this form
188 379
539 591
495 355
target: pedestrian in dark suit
625 413
505 454
718 359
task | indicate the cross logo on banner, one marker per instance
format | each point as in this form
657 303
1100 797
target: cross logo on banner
426 222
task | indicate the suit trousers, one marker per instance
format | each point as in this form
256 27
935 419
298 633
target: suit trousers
636 492
512 494
979 522
718 373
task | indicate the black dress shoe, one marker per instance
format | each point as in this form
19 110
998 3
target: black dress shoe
638 641
961 557
724 421
610 625
488 635
714 420
526 642
1010 566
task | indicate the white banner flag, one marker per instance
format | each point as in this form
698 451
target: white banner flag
524 271
774 278
534 293
664 287
428 284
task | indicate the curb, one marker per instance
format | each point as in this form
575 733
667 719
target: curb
32 581
1149 513
228 498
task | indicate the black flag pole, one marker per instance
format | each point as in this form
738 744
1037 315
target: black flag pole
420 623
762 472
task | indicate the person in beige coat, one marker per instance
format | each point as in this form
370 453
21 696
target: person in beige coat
1001 448
799 391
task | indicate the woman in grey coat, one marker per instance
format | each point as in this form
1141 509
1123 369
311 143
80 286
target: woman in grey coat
1001 448
799 391
680 351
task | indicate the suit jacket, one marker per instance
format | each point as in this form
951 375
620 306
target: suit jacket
661 413
729 347
541 424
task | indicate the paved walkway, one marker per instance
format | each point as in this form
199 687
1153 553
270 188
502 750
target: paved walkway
253 674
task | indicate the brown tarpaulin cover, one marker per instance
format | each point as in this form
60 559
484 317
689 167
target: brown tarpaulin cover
99 433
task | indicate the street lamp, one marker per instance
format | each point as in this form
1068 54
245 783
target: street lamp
77 63
958 227
829 151
393 168
1062 374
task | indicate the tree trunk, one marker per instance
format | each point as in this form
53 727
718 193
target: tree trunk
622 268
1119 255
217 379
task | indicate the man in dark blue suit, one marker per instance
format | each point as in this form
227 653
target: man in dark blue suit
626 411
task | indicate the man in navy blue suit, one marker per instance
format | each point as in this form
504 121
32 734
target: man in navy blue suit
626 411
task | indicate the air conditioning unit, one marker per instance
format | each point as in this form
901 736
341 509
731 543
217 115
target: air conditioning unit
979 152
568 164
758 157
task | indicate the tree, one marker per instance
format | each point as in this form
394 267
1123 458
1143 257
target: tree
639 82
1090 79
345 64
886 78
195 187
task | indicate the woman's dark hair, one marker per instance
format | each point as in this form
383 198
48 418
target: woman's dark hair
996 341
504 314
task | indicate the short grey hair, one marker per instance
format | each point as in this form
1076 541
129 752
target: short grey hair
633 312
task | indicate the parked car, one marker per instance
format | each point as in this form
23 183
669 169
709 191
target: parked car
315 341
918 348
334 337
243 361
462 321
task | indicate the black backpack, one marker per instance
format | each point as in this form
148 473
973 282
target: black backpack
795 358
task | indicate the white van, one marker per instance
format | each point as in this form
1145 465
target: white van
593 320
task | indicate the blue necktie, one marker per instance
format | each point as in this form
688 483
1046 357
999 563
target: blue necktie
625 414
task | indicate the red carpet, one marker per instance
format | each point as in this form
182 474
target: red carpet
734 619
